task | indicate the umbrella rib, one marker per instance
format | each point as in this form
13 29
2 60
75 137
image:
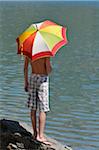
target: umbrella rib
45 41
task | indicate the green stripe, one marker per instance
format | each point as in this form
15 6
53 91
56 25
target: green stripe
31 29
50 39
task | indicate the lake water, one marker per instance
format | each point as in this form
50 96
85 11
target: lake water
74 82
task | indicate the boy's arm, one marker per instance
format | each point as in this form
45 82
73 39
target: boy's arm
26 63
48 66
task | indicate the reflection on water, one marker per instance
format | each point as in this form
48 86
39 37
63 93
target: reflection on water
74 82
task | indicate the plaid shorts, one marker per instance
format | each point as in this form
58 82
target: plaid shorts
39 93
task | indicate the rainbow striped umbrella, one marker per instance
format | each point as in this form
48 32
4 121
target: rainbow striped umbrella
41 40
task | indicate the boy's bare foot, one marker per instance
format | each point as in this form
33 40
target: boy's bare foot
43 140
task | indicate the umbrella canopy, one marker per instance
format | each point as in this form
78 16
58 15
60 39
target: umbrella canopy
41 40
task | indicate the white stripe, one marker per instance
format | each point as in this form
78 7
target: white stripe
37 25
39 45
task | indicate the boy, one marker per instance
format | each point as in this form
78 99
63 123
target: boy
38 93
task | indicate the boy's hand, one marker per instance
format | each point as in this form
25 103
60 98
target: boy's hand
26 87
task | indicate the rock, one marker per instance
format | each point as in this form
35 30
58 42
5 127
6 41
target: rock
11 146
17 136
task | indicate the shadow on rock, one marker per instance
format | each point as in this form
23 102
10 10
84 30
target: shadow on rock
14 136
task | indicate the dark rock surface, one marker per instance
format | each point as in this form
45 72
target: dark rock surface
13 136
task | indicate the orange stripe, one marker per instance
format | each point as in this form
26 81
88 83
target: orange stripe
47 23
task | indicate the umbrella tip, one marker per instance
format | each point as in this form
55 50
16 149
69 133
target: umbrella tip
36 27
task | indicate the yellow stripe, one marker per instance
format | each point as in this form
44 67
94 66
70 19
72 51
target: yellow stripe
26 34
53 29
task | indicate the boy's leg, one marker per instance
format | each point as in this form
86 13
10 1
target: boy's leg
33 120
40 136
42 120
43 103
33 104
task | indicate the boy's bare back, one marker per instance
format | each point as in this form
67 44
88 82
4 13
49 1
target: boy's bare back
41 66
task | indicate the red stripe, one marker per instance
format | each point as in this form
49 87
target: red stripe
26 48
41 55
